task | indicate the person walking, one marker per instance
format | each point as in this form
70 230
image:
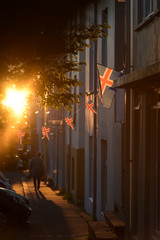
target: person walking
37 170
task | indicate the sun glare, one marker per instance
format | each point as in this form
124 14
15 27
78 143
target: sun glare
16 100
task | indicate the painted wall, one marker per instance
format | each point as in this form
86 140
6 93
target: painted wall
77 175
146 38
74 140
109 131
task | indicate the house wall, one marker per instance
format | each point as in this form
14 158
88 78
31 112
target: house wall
74 141
89 120
77 175
52 149
142 129
146 38
142 192
109 131
56 156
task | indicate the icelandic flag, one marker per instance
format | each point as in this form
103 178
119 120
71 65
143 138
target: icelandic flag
106 78
45 132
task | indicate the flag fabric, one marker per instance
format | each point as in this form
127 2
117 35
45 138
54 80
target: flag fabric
68 121
20 135
106 79
108 97
45 132
90 107
100 90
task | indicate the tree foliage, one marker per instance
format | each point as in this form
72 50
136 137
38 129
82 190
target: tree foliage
50 77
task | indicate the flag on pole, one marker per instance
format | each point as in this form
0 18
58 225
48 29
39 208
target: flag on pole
106 79
45 132
68 121
20 135
107 76
90 106
108 97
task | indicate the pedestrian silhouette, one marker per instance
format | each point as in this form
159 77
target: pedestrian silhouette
37 170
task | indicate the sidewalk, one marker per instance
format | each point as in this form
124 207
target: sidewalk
53 217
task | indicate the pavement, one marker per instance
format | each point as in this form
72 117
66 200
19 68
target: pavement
53 217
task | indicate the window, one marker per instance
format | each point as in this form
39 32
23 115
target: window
104 40
145 8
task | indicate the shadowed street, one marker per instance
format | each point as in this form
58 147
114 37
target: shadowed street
52 217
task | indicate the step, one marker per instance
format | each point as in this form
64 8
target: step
100 231
115 223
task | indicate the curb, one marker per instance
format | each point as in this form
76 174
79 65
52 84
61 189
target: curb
26 190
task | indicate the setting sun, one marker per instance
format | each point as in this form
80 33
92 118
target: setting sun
16 100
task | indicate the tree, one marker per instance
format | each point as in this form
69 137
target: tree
50 81
47 73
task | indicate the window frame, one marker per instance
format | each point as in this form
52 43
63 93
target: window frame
143 11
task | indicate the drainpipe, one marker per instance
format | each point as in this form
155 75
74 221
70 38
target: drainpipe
95 121
131 35
131 111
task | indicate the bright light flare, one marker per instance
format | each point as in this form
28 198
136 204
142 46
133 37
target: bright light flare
16 100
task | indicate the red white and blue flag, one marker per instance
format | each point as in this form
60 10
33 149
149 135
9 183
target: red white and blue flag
69 122
106 79
90 107
20 135
45 132
107 76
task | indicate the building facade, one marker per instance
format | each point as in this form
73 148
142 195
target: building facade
142 120
104 189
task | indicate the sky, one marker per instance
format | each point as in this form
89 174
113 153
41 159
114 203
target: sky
33 26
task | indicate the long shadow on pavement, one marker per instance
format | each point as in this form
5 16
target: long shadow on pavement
47 220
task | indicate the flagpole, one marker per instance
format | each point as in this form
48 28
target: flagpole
95 122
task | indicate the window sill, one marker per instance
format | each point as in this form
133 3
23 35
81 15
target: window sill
147 20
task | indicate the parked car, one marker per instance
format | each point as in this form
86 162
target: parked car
4 178
13 206
4 184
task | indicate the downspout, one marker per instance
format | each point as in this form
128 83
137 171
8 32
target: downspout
131 113
95 121
128 117
131 36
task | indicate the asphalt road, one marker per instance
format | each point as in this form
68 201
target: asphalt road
52 217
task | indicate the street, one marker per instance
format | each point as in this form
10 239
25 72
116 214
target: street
52 217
